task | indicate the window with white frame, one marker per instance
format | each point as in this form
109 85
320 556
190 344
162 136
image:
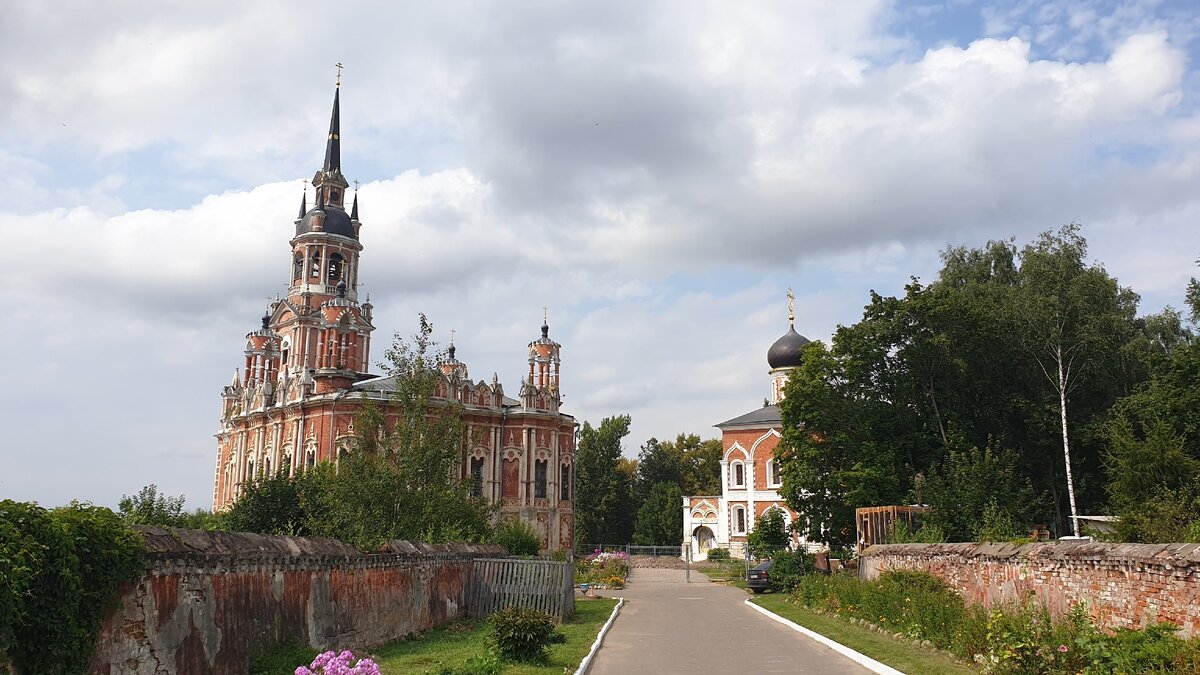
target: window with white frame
739 520
737 474
774 479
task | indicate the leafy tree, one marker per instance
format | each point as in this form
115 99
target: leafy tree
277 504
770 535
148 507
658 463
701 472
964 362
660 518
603 493
1076 318
968 487
517 537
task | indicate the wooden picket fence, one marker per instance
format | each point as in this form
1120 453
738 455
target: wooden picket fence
545 585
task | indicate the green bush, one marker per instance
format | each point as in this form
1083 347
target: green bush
522 634
518 537
718 554
789 567
69 564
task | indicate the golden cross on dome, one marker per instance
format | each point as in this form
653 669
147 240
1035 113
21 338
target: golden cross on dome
545 314
338 65
451 336
791 307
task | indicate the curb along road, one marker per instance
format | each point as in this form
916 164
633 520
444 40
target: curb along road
586 664
859 658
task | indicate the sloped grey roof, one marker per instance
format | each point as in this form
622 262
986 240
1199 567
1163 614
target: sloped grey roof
766 416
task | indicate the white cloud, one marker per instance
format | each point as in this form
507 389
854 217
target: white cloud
656 173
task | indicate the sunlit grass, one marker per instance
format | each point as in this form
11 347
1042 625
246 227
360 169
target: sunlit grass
903 656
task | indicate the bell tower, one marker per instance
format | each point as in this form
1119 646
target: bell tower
325 331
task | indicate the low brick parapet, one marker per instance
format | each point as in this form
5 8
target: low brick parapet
1122 585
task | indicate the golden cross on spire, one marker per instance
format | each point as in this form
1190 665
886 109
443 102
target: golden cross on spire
338 65
791 307
451 337
356 185
545 314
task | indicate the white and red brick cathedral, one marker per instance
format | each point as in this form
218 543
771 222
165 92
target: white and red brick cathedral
750 477
306 377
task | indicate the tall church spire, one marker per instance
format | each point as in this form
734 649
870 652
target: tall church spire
333 146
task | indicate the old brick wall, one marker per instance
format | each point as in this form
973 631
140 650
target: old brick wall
210 601
1122 585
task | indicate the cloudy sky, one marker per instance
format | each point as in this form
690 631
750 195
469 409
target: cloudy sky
657 173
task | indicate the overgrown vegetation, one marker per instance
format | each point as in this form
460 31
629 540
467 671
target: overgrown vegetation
518 538
1015 639
59 573
150 507
789 567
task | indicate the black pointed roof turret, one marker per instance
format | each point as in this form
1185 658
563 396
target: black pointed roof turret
354 207
303 203
333 146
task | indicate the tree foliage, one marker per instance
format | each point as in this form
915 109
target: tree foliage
971 360
149 507
660 518
770 534
604 498
976 490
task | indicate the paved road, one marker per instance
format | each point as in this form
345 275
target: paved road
667 626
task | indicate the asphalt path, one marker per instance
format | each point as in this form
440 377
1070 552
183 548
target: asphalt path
669 626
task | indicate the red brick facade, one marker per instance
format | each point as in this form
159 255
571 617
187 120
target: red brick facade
305 378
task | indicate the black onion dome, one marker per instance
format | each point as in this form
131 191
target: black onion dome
337 221
787 352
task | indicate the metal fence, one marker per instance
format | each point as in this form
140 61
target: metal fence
675 551
545 585
672 551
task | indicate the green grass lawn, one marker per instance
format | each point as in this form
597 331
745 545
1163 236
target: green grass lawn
455 642
902 656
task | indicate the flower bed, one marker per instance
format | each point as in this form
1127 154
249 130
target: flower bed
603 569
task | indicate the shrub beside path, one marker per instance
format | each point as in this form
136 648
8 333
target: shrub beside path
669 626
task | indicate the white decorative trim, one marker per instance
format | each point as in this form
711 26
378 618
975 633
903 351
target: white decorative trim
770 432
736 446
586 664
857 657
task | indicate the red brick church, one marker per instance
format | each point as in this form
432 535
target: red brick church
307 374
750 476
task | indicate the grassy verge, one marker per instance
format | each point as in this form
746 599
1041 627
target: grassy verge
452 644
902 656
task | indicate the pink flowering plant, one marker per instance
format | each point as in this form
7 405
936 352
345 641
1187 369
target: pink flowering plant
603 568
334 663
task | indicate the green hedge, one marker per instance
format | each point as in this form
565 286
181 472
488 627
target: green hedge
59 573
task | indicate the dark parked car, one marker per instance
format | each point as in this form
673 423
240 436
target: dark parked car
758 579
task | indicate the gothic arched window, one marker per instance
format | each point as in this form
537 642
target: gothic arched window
298 271
316 264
